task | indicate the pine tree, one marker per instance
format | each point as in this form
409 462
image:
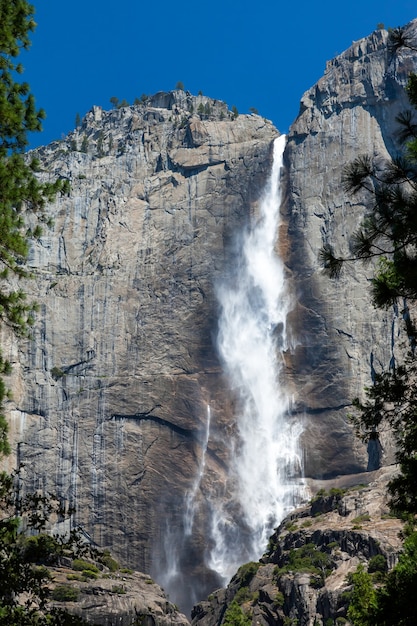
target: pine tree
388 234
363 602
20 193
396 599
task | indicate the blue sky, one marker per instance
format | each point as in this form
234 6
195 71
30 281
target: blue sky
261 54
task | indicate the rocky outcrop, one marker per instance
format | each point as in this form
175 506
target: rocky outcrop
341 338
304 574
126 599
110 392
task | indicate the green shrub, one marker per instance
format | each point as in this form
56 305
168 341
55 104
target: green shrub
377 563
42 572
242 595
346 597
290 621
379 577
80 565
234 616
246 572
317 581
41 548
361 518
309 559
78 577
65 593
57 373
279 599
88 573
119 589
109 562
388 515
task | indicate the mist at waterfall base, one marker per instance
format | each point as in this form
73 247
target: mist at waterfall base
264 481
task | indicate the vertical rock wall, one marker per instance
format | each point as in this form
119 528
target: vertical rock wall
110 393
342 339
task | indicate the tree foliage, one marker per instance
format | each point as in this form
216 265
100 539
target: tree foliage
363 601
235 616
388 234
24 557
20 189
24 577
396 602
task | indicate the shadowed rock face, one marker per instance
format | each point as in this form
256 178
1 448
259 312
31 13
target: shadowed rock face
110 394
342 339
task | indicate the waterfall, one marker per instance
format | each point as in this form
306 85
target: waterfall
267 466
190 501
177 548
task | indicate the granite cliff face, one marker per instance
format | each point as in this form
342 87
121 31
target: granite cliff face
342 339
110 394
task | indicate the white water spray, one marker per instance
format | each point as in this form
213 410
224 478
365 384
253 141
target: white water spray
190 501
252 340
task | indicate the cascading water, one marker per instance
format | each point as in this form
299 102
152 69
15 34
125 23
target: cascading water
178 546
191 503
264 480
252 338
